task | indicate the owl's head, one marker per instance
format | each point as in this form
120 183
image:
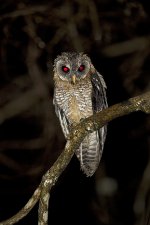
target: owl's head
72 66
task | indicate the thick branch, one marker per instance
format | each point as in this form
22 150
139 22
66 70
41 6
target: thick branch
139 103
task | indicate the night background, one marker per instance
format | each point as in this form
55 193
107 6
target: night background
116 36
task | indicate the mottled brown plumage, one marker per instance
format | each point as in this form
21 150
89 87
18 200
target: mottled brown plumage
79 92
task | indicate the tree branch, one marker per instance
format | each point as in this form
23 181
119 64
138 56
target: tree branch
90 124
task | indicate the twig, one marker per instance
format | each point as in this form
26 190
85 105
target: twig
33 144
95 122
94 17
27 11
8 162
20 104
127 47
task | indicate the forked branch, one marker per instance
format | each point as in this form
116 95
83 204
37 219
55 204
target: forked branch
98 120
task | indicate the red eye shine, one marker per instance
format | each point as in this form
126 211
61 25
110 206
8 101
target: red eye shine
65 69
81 68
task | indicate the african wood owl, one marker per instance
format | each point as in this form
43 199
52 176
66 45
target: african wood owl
79 92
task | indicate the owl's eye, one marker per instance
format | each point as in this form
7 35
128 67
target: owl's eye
81 68
65 69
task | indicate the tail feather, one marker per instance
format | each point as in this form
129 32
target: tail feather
89 153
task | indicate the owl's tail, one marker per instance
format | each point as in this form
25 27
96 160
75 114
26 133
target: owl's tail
90 152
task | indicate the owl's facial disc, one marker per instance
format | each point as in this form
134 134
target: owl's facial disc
73 68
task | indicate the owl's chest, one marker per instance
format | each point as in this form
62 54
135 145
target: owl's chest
75 101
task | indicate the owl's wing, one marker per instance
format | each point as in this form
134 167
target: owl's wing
99 92
91 148
63 120
99 100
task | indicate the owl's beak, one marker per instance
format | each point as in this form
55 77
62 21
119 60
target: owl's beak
73 79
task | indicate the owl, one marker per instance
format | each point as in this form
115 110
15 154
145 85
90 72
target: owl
80 91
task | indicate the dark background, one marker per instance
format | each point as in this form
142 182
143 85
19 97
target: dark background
115 34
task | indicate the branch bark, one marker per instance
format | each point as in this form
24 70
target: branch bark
90 124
